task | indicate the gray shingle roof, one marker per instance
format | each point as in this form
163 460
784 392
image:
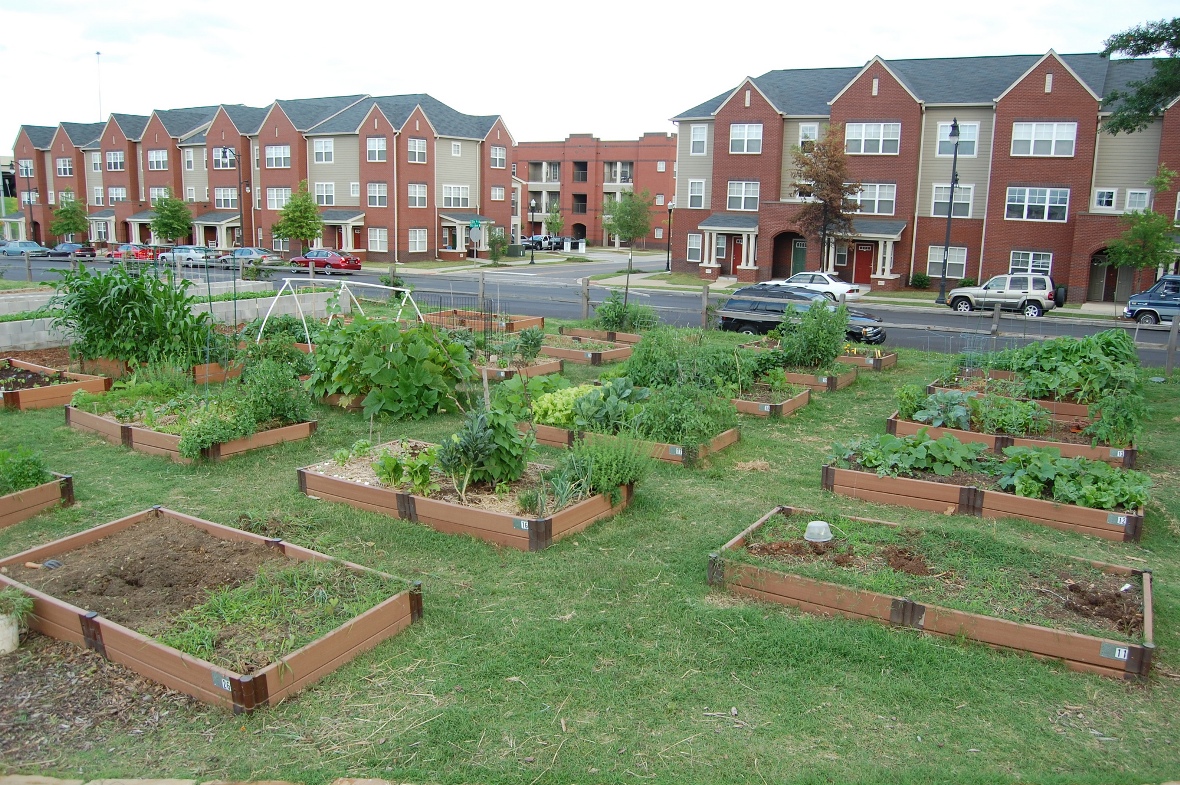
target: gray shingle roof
306 113
216 217
725 221
132 125
82 134
446 121
1122 72
247 119
863 226
40 135
196 140
180 122
100 214
143 217
341 214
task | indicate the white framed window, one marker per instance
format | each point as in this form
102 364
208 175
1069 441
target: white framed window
257 155
206 193
378 239
354 189
696 193
499 157
156 194
1044 139
963 198
416 151
96 196
659 199
225 158
225 198
743 195
66 196
65 167
1037 204
188 159
258 200
698 135
719 246
694 247
1038 262
808 134
1176 217
324 150
116 194
278 156
968 140
378 195
51 197
417 241
659 231
277 198
157 160
456 149
456 196
190 194
96 162
205 159
325 194
877 198
497 193
115 161
1138 199
872 138
1105 198
99 231
417 194
745 138
956 262
26 167
661 166
375 149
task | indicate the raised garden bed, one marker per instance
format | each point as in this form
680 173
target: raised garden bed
356 485
1107 656
1060 410
868 361
536 368
30 386
829 382
763 401
155 443
611 336
478 320
1116 456
202 373
969 500
584 351
551 436
231 557
22 505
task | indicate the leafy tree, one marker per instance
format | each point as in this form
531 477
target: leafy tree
1144 100
173 221
821 174
69 217
629 218
1149 238
554 221
300 219
497 242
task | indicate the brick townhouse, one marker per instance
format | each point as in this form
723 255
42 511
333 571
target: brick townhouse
400 177
582 172
1040 186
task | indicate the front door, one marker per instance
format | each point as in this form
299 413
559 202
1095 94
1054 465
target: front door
735 254
799 257
862 263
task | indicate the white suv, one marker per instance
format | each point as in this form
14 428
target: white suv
1032 295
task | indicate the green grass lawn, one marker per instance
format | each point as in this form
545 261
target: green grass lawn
607 658
10 285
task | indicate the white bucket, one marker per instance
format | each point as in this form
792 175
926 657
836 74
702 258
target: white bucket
9 634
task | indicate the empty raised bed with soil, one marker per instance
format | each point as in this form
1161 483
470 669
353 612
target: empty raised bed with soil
611 336
868 361
26 385
125 585
22 505
478 320
584 351
1096 617
764 401
539 367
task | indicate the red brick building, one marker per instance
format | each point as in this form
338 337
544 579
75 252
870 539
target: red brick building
1040 186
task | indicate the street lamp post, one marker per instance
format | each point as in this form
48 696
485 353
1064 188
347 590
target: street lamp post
950 210
532 246
231 154
4 200
668 263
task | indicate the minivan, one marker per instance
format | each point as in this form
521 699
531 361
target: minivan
1158 304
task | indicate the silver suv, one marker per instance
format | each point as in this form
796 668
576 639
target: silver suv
1031 295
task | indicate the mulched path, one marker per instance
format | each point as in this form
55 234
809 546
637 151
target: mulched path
50 358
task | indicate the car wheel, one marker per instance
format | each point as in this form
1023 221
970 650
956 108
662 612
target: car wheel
327 269
295 268
1147 317
961 304
747 329
830 296
1031 310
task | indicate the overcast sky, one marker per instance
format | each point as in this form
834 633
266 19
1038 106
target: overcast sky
615 68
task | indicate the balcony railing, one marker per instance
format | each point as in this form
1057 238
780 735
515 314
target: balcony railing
580 177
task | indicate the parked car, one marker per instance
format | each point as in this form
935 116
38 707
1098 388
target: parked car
73 249
1158 304
539 242
22 247
132 251
188 255
328 260
243 256
1031 295
758 309
828 284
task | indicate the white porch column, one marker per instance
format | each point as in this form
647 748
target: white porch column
745 249
887 262
710 240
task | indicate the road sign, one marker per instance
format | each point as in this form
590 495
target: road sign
475 233
473 223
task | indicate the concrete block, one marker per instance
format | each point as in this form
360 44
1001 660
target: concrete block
33 779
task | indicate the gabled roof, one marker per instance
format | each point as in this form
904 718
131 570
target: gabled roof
1095 91
247 119
1120 73
132 125
803 92
397 108
40 136
884 64
83 134
101 214
182 122
306 113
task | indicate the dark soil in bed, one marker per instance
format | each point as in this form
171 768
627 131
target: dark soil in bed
13 378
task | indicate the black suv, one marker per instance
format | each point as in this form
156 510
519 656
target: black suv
758 309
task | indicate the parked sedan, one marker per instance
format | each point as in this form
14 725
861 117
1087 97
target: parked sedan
828 284
188 255
328 260
132 251
22 247
73 249
244 256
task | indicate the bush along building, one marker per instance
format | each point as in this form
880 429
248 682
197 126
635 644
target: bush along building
1040 186
400 177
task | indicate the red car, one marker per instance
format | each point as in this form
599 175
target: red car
132 251
328 260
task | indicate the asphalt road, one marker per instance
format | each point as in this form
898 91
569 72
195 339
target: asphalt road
555 290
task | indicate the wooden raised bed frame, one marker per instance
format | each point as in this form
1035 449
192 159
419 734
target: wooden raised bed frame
551 436
526 534
969 500
503 374
461 318
54 394
192 675
598 357
602 335
202 373
781 409
814 382
1085 653
156 443
1060 410
869 362
1115 456
22 505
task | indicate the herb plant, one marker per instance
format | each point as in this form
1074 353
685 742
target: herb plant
21 469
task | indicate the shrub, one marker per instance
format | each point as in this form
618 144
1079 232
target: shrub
920 281
968 282
818 337
612 315
21 469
